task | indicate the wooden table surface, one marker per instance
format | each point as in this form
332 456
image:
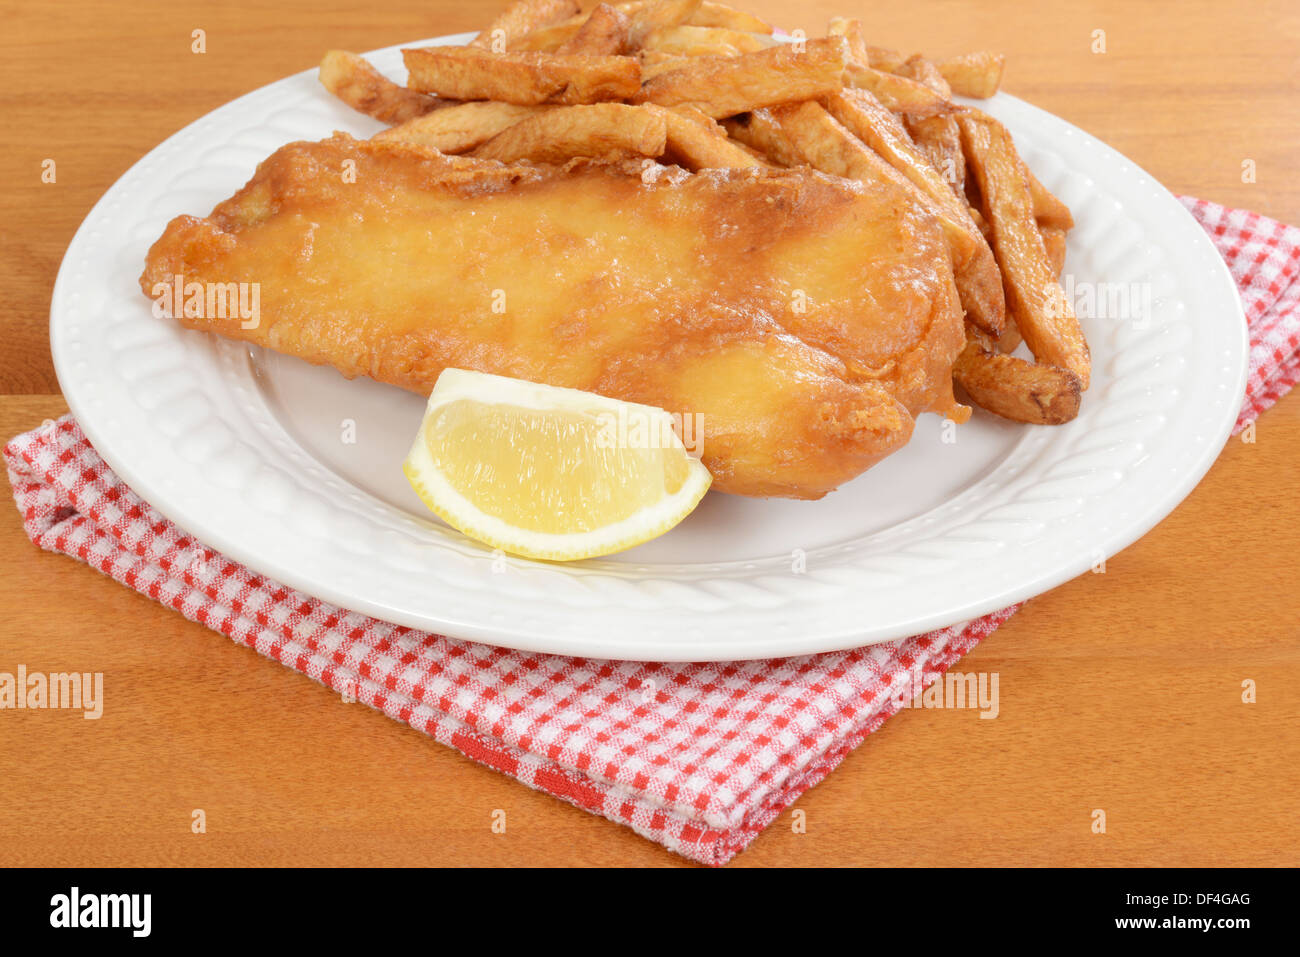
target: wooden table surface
1120 691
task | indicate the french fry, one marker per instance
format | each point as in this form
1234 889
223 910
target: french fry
1043 312
658 15
720 15
923 71
716 15
867 119
883 58
823 143
979 286
1048 210
526 79
522 17
710 14
596 130
898 93
1015 388
762 160
725 86
918 68
760 131
940 140
973 74
976 271
654 62
358 84
550 39
1054 243
604 34
971 190
698 142
460 128
687 40
1010 339
851 31
936 136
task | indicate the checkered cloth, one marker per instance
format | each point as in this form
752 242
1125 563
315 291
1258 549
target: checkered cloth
1264 258
699 757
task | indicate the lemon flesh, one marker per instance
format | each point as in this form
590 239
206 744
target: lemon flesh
550 473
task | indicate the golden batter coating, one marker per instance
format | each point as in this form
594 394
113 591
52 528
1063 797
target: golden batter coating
807 319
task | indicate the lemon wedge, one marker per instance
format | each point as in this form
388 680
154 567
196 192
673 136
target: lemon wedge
550 473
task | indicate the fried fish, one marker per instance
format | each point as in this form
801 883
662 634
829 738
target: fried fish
805 320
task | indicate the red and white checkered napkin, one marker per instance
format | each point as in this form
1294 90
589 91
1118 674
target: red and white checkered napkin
700 757
1264 258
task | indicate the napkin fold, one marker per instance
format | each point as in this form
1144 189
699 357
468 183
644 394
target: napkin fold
698 756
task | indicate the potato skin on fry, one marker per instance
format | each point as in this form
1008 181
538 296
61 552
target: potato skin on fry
358 84
526 79
1015 388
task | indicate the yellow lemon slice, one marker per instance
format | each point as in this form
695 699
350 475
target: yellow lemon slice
551 473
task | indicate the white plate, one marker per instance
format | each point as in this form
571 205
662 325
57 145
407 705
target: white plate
245 449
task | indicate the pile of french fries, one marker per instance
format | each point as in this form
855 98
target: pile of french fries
705 86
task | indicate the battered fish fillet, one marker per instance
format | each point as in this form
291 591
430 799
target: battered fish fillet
806 318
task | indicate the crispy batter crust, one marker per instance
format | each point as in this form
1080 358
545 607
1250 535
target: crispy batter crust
807 319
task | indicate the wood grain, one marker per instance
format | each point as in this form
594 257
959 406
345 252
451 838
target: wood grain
1119 691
